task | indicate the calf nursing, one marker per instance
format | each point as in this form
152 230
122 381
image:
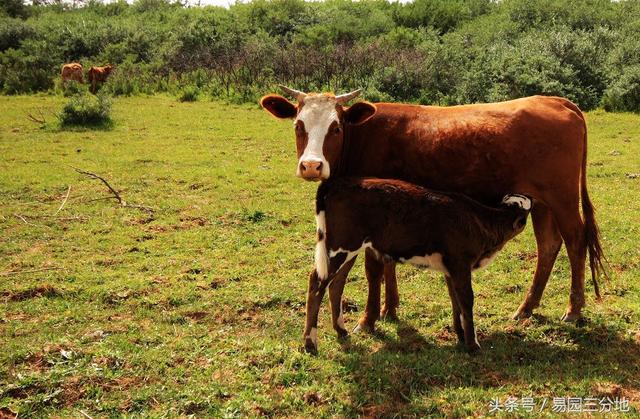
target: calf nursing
398 221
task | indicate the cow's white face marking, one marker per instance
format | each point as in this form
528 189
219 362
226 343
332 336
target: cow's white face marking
433 261
321 257
317 114
519 200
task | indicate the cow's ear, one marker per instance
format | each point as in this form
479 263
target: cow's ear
278 106
359 113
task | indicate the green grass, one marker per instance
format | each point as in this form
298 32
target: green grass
199 308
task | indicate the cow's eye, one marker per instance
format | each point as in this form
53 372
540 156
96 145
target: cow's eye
337 130
299 129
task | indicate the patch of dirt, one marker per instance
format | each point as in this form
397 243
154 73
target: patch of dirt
196 315
44 290
6 413
313 398
189 221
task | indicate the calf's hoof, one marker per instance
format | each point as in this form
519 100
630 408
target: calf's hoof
473 348
342 333
310 347
572 317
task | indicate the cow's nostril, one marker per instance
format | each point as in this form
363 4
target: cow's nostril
303 167
319 166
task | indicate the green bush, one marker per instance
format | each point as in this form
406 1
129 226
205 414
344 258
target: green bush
624 94
72 88
87 110
189 93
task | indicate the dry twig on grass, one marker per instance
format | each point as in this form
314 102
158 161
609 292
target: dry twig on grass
63 202
9 273
37 119
115 193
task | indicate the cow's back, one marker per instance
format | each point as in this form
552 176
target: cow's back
482 150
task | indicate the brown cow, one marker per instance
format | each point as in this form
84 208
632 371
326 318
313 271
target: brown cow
72 71
98 75
535 145
403 222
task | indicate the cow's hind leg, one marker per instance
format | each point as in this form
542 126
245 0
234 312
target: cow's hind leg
549 241
391 297
572 230
374 268
336 288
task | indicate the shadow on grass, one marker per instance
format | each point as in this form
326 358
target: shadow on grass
399 376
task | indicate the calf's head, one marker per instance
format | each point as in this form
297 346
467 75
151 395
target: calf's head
520 206
319 123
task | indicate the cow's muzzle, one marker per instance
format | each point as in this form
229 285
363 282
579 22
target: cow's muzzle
311 170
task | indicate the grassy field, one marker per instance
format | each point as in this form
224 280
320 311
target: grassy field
198 308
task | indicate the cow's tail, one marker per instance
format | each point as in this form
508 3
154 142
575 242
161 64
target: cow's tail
592 232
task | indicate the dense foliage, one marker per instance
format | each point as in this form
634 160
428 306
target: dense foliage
428 51
84 109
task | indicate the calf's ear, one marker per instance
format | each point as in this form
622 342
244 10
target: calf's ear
278 106
359 113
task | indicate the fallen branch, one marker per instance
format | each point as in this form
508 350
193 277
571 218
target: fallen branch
63 202
115 193
52 268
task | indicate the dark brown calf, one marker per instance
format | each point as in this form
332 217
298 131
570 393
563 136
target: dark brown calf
398 221
98 75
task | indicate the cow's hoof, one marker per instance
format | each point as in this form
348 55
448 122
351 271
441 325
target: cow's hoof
522 314
572 317
364 326
389 315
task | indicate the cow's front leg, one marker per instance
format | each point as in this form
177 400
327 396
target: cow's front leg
391 297
374 269
314 297
336 288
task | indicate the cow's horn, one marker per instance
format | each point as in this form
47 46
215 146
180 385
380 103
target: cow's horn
348 96
297 94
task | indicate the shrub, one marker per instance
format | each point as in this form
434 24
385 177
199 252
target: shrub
623 95
86 110
189 93
72 88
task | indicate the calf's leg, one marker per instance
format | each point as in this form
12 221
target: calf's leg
391 297
374 269
336 288
549 241
457 323
463 291
314 298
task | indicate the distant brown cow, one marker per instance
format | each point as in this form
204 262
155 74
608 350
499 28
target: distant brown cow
72 71
99 75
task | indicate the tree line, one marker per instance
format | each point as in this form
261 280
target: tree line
428 51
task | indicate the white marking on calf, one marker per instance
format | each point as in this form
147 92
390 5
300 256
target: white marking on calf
350 253
341 318
486 261
433 261
317 114
321 258
519 200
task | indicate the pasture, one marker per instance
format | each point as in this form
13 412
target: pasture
198 307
